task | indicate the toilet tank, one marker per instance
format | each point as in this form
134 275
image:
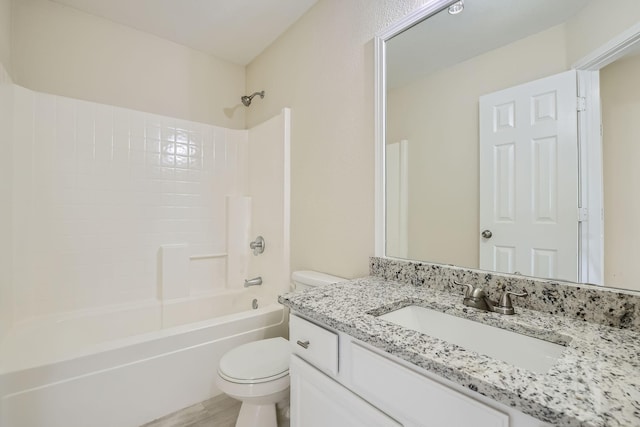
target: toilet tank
307 279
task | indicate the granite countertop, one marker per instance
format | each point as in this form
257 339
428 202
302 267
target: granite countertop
596 382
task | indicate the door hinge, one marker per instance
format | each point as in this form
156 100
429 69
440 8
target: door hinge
581 103
583 214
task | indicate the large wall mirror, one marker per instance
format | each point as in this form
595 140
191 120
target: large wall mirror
504 145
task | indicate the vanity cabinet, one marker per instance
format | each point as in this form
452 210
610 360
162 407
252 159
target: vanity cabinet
421 401
319 401
337 380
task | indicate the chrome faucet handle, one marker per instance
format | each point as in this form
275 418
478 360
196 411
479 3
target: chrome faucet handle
505 306
478 292
257 245
469 288
476 297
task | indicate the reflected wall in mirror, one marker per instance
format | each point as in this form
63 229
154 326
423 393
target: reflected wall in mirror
538 193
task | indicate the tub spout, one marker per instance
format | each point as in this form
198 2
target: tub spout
253 282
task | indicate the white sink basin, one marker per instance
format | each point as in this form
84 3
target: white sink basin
516 349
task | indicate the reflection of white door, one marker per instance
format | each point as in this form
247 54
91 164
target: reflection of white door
529 178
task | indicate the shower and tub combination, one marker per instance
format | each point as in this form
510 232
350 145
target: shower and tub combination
130 251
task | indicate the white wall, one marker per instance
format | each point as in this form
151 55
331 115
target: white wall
6 171
5 34
62 51
6 100
438 115
96 191
322 68
598 23
620 97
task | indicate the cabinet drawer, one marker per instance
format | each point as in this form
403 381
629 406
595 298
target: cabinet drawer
398 390
313 343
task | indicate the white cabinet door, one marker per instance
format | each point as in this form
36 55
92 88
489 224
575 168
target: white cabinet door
529 179
318 401
415 399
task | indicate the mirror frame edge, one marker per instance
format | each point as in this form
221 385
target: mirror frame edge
430 8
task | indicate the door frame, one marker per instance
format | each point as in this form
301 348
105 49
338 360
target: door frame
590 181
590 169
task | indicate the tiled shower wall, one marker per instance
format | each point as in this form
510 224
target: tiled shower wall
98 189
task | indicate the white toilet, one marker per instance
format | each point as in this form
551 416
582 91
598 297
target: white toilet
257 373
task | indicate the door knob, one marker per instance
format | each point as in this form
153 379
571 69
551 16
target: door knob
487 234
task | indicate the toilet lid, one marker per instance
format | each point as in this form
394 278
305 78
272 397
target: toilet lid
257 361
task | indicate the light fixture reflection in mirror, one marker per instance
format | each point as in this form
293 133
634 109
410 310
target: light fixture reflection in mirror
432 107
456 8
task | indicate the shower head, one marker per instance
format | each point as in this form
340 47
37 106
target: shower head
246 100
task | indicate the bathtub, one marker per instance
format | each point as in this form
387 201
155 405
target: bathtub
127 365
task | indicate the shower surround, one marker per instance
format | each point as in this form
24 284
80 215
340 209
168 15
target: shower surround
121 223
98 190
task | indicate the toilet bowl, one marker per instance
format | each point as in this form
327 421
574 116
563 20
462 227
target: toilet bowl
257 373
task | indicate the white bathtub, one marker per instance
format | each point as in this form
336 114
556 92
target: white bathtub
116 367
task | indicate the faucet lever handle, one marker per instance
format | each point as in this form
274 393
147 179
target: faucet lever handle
515 294
505 306
469 288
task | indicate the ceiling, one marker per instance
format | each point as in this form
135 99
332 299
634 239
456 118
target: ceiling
233 30
444 40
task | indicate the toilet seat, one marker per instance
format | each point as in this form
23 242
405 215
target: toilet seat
256 362
252 381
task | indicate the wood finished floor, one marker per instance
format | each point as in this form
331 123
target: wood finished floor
220 411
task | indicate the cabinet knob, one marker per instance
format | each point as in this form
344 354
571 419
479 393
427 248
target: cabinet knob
303 344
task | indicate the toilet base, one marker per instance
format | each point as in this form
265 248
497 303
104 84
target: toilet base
252 415
260 412
258 400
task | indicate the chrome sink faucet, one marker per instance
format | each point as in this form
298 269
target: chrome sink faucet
477 298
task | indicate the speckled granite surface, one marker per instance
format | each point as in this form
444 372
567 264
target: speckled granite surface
595 383
612 307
